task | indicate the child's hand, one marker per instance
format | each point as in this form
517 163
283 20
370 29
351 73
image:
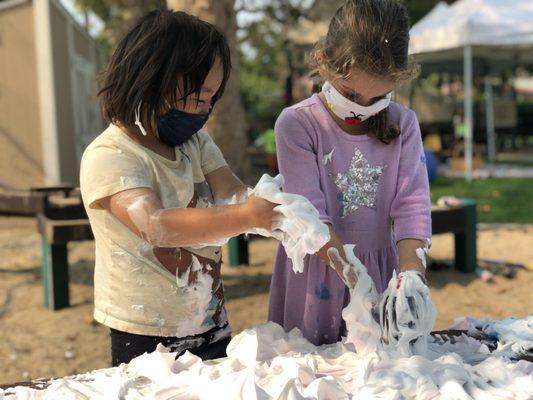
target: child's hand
260 212
406 311
346 271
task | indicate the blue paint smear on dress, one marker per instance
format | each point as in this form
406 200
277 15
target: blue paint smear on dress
322 292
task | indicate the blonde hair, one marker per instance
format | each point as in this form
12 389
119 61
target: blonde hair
373 36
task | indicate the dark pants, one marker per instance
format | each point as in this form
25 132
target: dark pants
126 346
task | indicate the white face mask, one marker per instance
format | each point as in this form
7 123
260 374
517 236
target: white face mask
351 112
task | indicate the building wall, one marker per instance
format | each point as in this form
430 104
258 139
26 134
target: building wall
64 109
21 161
76 58
79 118
81 45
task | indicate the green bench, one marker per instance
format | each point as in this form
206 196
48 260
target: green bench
55 236
62 220
460 220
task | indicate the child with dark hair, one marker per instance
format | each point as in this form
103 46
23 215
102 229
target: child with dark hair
151 184
358 157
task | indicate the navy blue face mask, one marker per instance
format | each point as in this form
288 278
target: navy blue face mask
176 127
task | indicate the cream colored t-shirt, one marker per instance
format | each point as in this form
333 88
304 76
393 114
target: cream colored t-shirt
133 290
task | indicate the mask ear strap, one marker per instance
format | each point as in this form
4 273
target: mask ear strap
138 121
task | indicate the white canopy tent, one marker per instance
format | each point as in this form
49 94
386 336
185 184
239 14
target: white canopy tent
498 32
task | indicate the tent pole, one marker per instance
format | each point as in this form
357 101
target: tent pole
468 110
491 132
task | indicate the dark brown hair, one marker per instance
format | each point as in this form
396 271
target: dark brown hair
373 36
164 49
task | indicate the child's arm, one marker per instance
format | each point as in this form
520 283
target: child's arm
297 159
332 259
410 209
143 213
225 184
409 260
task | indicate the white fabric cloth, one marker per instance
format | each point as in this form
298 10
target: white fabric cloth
474 22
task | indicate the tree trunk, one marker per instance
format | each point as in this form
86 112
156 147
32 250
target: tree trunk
227 126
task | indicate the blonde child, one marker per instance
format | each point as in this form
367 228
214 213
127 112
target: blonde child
358 158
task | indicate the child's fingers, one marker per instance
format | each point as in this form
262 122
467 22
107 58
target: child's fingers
277 216
352 278
383 317
336 260
277 234
338 263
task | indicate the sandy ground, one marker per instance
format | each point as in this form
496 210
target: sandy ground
35 342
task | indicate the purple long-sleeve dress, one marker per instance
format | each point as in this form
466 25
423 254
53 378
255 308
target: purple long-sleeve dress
373 194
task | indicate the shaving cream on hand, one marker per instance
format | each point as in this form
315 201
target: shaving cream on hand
298 227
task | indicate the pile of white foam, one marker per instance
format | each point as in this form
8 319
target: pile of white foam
399 320
267 363
511 336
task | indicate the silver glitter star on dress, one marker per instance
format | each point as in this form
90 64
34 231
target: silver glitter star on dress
358 185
